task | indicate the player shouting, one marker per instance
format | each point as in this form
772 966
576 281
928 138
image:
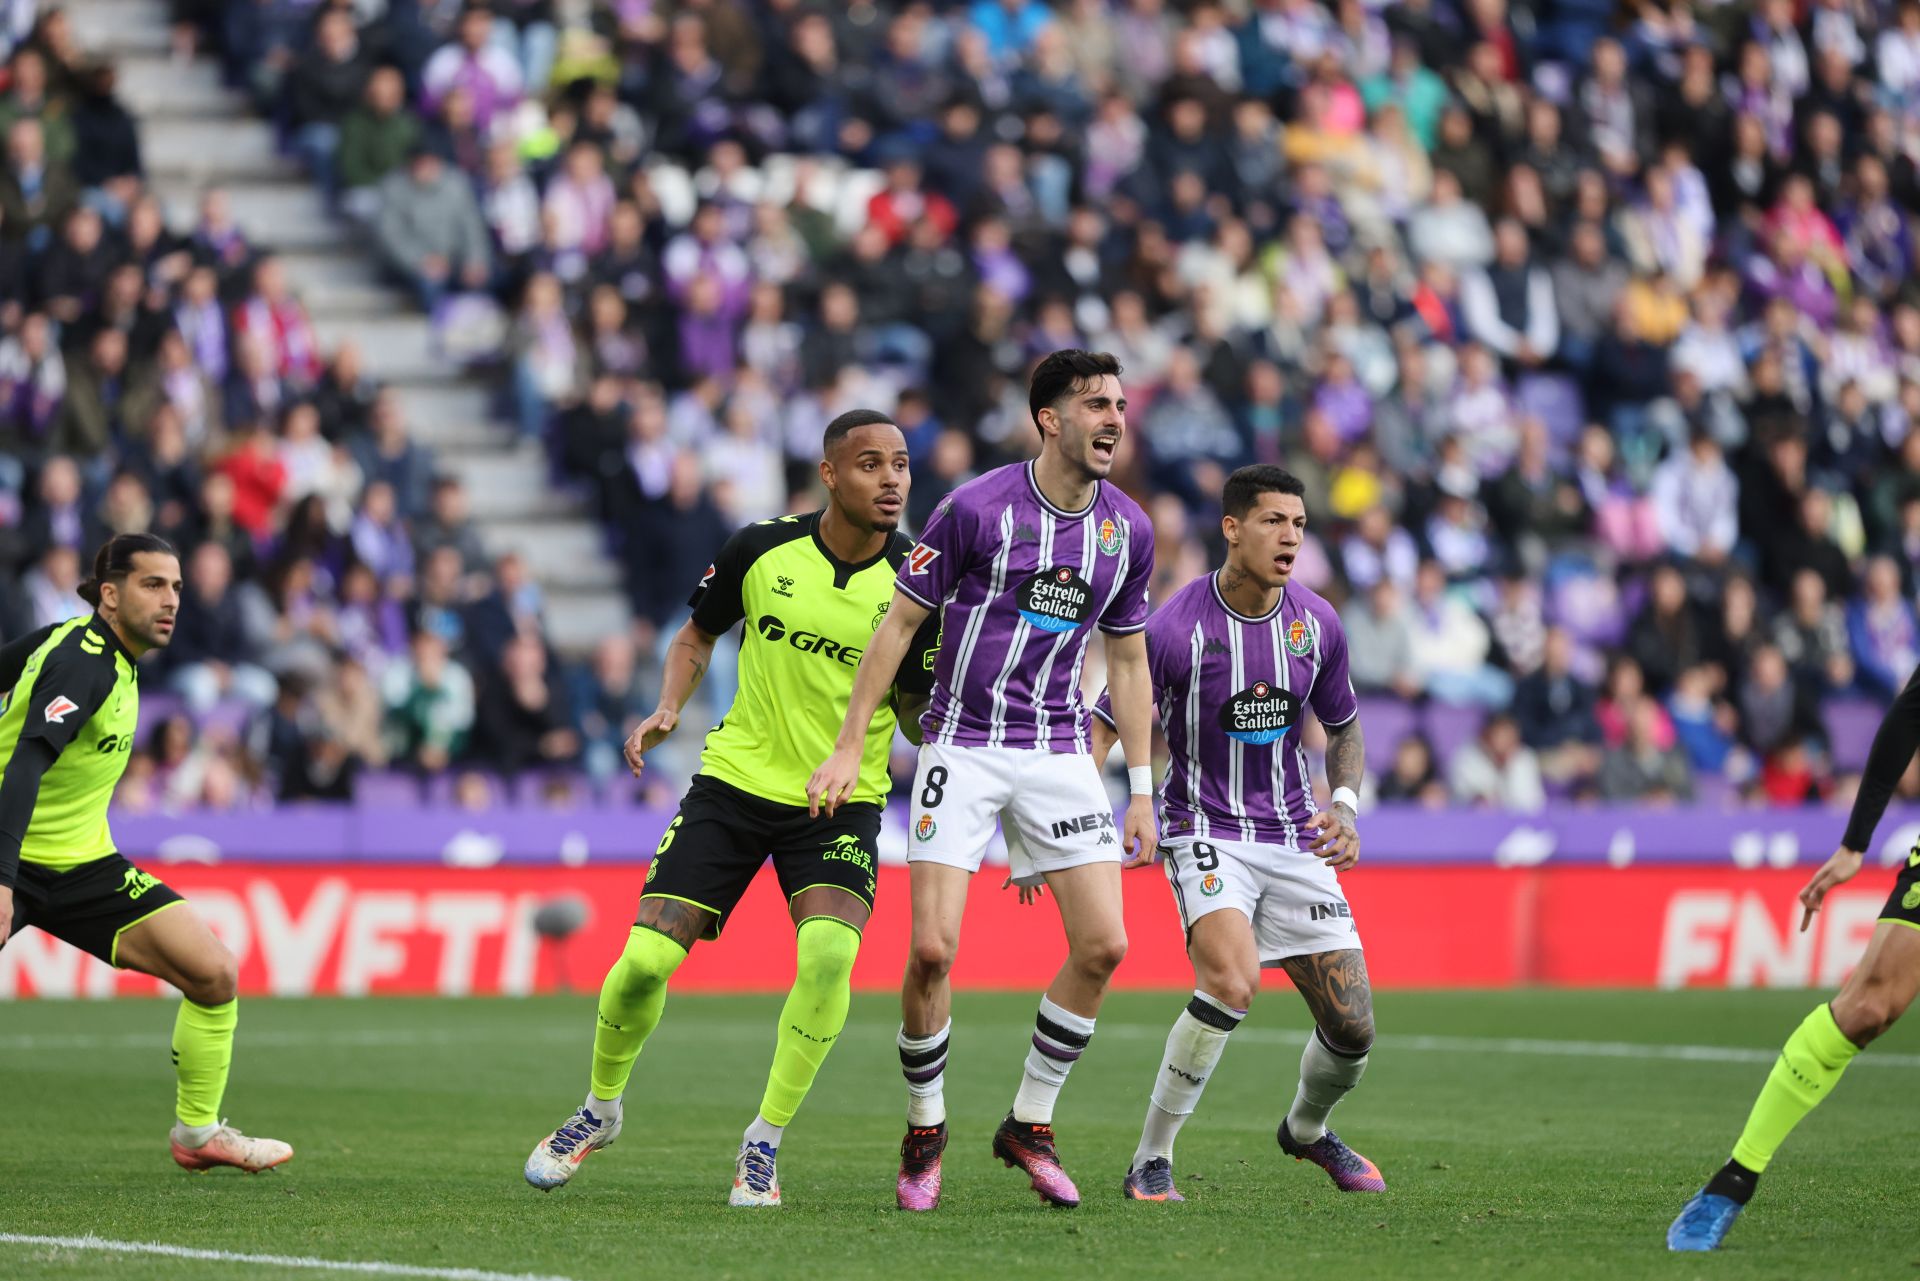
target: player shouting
812 588
71 706
1235 657
1021 564
1874 996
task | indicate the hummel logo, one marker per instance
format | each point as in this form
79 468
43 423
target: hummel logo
1025 533
782 584
1213 645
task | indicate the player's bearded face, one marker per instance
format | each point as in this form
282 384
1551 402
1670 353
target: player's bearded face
1266 541
148 599
1092 422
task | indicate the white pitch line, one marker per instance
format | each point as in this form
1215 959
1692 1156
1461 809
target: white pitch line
1415 1043
369 1268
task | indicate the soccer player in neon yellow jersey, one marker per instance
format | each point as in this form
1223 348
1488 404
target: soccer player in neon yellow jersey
1876 994
72 702
812 589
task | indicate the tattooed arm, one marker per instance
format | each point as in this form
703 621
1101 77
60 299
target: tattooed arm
1335 838
687 659
1335 987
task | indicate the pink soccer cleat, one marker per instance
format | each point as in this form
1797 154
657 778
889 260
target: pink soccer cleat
228 1146
918 1187
1030 1147
1349 1171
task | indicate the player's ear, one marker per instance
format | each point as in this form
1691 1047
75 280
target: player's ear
826 473
1229 529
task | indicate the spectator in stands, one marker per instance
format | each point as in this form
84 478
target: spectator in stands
1883 631
391 455
1641 770
1509 305
274 315
546 359
376 137
1497 770
429 229
430 705
448 523
1450 654
1812 636
1554 710
1666 637
1774 709
1697 501
92 415
1412 778
327 83
523 718
217 643
380 539
51 588
474 63
1705 725
1381 641
609 699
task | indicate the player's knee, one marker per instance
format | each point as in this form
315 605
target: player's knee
646 963
824 953
931 958
214 979
1100 956
1234 990
1865 1014
1352 1034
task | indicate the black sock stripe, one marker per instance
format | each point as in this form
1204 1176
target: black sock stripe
1340 1050
1053 1031
1212 1015
920 1058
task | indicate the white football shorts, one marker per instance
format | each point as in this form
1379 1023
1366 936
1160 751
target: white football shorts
1293 898
1052 808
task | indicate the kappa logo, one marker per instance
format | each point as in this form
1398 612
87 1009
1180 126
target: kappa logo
1300 638
1214 645
1025 533
921 559
783 586
1110 539
59 708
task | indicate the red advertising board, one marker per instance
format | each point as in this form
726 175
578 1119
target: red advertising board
355 930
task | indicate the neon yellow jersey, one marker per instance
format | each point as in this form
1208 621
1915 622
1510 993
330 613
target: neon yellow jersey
73 686
809 616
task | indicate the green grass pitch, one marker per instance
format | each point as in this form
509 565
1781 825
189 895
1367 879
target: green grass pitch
412 1118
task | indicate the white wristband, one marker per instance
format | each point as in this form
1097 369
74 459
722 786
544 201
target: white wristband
1140 780
1348 797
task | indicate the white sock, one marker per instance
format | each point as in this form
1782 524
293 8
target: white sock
1325 1077
1059 1038
1194 1046
607 1110
194 1136
923 1061
764 1131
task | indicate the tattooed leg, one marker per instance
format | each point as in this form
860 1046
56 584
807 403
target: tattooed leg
1336 990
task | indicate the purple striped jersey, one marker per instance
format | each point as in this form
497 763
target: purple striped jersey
1229 690
1017 582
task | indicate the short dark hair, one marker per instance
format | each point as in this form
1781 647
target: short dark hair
1245 486
1064 372
839 428
114 561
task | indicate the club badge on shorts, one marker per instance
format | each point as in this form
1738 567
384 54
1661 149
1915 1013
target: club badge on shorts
925 828
1211 884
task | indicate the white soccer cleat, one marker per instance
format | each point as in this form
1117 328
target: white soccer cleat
227 1146
559 1154
755 1180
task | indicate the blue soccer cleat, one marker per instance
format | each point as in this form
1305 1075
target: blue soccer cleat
1704 1222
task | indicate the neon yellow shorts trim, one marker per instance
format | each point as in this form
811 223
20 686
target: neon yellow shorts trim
179 902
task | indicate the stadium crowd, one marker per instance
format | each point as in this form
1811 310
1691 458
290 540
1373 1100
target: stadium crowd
1590 332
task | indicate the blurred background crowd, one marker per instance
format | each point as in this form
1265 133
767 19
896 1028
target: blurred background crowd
1592 331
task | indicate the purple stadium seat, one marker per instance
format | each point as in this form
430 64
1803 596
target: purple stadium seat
1450 728
155 709
1385 720
1851 723
386 789
1556 401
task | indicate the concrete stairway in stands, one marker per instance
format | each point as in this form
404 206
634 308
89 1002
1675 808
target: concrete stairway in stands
196 132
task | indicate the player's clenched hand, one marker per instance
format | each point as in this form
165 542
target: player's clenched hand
1334 839
1139 841
647 735
833 782
1838 870
1028 893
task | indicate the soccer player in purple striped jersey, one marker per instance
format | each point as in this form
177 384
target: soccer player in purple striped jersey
1236 658
1023 564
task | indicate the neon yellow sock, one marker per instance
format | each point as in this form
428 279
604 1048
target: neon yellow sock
630 1003
1806 1071
202 1055
814 1015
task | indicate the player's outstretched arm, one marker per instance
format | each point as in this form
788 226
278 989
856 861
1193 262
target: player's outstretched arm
1841 867
1130 685
19 790
688 656
834 781
1336 838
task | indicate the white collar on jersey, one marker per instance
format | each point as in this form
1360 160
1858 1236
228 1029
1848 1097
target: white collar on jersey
1213 580
1033 483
